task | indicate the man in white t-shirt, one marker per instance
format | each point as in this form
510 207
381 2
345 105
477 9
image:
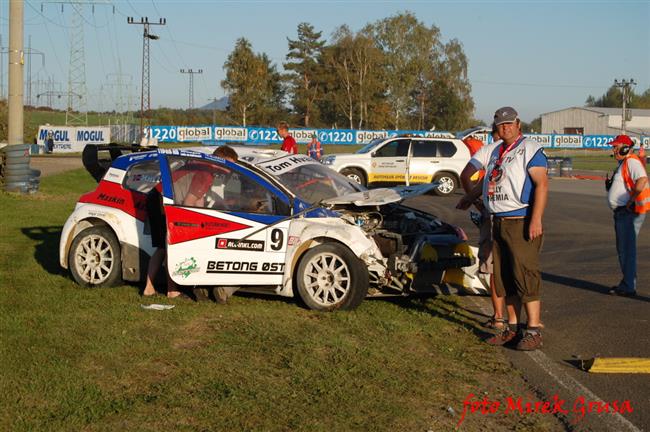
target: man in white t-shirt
629 197
515 192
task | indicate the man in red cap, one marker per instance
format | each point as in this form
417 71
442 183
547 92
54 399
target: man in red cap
629 197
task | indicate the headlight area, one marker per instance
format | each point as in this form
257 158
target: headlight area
328 160
414 250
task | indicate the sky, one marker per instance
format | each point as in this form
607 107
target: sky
537 56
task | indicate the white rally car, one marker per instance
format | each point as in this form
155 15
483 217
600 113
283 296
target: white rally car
285 225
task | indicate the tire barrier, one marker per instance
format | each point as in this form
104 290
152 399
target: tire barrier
560 167
553 168
566 169
17 176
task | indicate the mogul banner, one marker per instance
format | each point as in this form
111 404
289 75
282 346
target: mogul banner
67 139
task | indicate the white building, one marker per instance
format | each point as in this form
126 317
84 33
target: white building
596 121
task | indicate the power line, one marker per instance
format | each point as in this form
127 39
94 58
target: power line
536 84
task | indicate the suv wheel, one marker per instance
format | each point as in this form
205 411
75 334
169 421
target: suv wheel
354 174
447 184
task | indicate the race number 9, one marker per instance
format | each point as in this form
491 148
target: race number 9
277 239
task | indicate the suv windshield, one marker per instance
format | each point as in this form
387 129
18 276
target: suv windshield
366 148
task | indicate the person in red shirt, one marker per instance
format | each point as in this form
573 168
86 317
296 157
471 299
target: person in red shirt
473 144
288 144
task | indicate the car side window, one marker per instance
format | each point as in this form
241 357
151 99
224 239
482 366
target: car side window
422 148
395 148
211 185
142 177
446 149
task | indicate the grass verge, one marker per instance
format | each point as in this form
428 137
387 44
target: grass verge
75 358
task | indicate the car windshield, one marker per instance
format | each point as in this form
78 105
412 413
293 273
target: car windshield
310 180
366 148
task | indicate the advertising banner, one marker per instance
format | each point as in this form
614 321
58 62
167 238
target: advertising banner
597 141
267 136
545 140
567 141
68 139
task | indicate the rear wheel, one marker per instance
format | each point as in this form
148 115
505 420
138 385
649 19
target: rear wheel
331 277
94 258
355 174
447 184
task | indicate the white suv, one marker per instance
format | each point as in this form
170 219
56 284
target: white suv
393 160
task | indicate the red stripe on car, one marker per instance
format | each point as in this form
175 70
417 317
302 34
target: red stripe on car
113 195
186 225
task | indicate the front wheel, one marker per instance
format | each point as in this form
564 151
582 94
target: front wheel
447 184
331 277
354 174
94 258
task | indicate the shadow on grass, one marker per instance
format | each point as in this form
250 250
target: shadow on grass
444 308
47 246
585 285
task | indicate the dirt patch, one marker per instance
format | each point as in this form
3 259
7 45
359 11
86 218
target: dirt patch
55 164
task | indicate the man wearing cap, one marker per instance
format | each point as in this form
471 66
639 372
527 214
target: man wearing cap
515 191
629 197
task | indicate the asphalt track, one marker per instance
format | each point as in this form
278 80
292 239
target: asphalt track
582 321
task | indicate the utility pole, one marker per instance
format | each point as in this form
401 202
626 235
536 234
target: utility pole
3 50
16 64
214 110
625 86
145 96
29 53
191 74
117 82
76 112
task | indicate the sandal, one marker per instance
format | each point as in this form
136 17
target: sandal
181 296
496 323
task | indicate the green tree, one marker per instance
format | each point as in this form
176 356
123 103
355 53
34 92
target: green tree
355 84
452 104
252 84
305 74
642 100
408 47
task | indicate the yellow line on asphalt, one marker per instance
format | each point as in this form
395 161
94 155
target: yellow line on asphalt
620 365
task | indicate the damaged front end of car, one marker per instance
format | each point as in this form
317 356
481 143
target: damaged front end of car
419 251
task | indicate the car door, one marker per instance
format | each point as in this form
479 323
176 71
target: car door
233 234
424 160
452 155
388 164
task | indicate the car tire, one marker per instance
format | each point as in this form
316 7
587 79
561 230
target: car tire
331 277
447 184
355 174
94 258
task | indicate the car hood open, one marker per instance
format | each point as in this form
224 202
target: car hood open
381 196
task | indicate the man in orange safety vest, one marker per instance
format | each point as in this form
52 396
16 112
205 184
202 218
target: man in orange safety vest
628 195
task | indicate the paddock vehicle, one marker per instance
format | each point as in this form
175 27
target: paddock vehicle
284 225
405 160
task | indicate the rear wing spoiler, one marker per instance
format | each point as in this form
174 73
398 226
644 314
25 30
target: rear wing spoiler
98 158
